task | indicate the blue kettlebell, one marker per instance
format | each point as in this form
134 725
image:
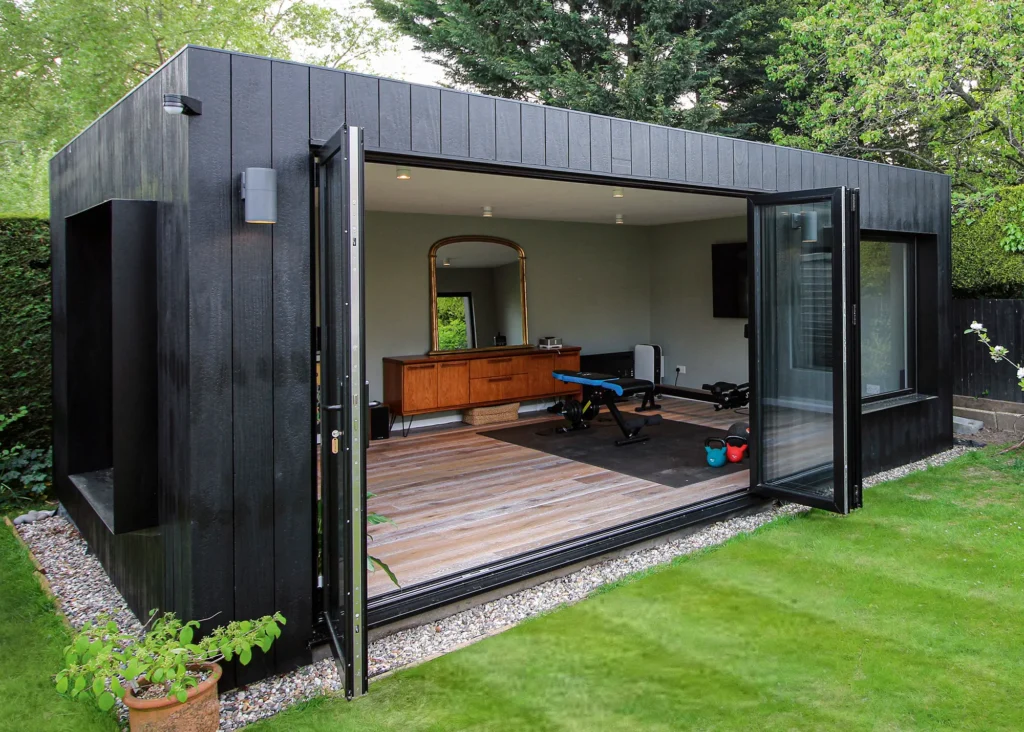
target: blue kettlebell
715 448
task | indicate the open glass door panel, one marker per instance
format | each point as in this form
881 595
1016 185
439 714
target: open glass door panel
805 408
343 403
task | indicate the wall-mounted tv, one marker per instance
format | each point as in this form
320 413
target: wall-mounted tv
729 280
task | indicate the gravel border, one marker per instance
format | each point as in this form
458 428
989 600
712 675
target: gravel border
83 591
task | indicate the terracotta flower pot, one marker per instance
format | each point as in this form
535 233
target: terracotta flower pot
200 712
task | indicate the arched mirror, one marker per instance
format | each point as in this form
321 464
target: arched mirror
477 294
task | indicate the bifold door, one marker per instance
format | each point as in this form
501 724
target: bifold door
805 348
343 421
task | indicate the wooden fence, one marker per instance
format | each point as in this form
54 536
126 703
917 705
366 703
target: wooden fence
974 372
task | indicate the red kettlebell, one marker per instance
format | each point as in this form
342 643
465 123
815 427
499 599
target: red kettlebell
735 449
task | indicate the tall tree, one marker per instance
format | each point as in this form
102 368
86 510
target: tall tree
934 84
63 62
697 64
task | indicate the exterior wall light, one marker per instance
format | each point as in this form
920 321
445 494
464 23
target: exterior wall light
488 213
618 218
259 191
617 192
403 173
181 104
447 262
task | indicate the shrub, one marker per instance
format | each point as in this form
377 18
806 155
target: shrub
102 662
983 237
25 329
24 471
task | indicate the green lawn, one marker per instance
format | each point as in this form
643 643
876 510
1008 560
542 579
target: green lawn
908 614
32 639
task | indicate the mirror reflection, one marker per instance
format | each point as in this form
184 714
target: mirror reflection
478 290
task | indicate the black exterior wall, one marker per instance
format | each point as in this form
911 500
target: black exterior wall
235 371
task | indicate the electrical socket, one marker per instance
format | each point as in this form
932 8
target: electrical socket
680 369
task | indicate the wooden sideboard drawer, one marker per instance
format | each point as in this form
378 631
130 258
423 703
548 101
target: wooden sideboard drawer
490 389
500 366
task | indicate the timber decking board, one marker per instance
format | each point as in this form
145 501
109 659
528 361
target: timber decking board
459 499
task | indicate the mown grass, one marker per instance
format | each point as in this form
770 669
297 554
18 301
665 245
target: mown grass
904 615
32 639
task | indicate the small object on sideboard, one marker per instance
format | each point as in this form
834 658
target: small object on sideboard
500 340
549 342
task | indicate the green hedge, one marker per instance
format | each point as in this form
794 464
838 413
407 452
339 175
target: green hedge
981 267
25 328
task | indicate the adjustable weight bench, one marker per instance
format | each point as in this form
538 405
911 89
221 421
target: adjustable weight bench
608 389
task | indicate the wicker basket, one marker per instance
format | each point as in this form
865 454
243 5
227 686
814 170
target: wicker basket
491 415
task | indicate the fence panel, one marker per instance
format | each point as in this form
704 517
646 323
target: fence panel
974 372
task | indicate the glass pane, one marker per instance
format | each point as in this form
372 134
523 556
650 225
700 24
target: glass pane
795 395
884 339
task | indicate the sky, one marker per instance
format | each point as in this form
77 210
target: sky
405 63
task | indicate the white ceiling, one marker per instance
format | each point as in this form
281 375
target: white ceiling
470 254
448 192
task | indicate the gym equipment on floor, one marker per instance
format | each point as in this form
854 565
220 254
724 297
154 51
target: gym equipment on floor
737 441
715 448
607 389
723 394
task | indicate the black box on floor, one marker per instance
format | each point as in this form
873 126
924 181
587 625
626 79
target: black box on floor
380 422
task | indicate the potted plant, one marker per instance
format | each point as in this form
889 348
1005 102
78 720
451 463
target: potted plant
166 678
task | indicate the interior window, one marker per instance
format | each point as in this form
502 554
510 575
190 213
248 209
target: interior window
455 321
886 322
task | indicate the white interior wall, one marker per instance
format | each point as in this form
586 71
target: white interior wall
682 323
588 283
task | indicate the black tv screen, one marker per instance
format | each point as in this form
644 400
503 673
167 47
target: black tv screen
729 280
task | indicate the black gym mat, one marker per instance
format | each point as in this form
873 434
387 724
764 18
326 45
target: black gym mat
674 456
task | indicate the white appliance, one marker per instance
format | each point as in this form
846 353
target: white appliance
648 362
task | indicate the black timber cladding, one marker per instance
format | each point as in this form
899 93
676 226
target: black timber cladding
235 371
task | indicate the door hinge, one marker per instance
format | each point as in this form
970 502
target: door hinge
853 200
855 314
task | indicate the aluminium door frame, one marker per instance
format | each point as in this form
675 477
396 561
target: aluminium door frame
343 407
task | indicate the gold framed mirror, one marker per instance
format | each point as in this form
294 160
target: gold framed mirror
477 294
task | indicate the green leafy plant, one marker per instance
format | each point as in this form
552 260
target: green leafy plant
1013 231
372 562
998 353
24 472
102 663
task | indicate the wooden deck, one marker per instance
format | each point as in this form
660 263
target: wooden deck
460 499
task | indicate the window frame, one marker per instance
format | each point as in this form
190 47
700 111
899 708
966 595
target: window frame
911 242
470 315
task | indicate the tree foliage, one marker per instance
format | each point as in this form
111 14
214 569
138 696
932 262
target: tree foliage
697 64
64 62
451 323
933 84
982 266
